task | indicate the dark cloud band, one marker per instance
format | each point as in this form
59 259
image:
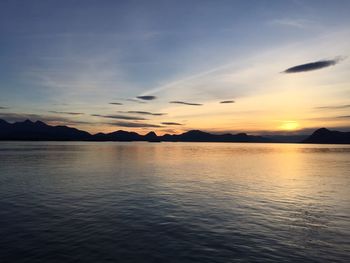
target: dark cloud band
146 97
312 66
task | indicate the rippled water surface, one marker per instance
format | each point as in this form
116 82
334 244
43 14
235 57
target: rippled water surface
174 202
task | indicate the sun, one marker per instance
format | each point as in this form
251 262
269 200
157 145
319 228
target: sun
289 125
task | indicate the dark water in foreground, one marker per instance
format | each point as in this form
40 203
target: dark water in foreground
174 202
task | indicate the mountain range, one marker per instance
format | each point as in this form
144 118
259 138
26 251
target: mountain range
40 131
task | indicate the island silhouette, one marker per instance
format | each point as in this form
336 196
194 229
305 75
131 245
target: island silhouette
40 131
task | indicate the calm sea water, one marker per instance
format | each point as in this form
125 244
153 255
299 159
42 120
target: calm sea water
174 202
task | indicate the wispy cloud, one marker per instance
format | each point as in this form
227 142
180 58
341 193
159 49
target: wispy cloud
171 123
328 118
67 112
180 82
312 66
185 103
3 108
134 124
343 117
146 97
143 113
227 101
334 107
135 100
297 23
120 117
116 103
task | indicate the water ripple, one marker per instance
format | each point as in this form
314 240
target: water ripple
190 202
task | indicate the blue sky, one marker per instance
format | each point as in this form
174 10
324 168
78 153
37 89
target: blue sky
65 57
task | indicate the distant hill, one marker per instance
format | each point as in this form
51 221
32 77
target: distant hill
118 136
199 136
190 136
324 135
40 131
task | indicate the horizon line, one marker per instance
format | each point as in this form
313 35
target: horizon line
250 133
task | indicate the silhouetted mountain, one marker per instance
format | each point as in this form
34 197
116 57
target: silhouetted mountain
39 131
152 137
4 124
118 136
199 136
324 135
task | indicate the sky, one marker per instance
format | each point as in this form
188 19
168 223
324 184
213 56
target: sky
262 67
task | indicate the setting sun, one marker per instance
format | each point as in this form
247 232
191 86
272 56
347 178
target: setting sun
289 125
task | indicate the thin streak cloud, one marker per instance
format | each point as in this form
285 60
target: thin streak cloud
186 103
135 100
189 78
116 103
297 23
171 123
334 107
67 112
134 124
143 113
120 117
227 101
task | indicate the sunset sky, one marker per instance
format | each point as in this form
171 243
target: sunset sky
167 65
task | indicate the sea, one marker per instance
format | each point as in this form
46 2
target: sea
174 202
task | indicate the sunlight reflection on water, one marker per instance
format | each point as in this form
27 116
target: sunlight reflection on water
174 202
